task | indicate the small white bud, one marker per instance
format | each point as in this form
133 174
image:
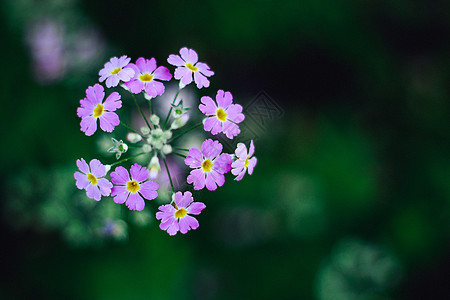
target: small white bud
147 96
154 119
124 87
107 167
134 137
154 167
147 148
167 135
180 122
145 130
167 149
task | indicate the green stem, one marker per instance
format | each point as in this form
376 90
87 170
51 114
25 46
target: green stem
179 154
150 107
183 149
186 131
168 174
125 159
128 127
170 110
140 110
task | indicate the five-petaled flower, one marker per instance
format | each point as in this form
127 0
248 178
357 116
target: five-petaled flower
132 190
91 179
177 217
93 108
244 161
209 165
116 70
222 117
188 64
145 75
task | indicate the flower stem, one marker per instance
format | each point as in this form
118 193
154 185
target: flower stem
170 110
182 149
186 131
140 110
125 159
168 174
179 154
128 127
150 107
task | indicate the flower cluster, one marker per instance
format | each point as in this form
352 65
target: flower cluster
155 141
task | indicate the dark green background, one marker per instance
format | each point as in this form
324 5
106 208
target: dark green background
365 90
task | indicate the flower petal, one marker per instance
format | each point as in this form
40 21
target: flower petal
208 106
83 166
211 148
138 173
120 176
197 178
196 208
135 202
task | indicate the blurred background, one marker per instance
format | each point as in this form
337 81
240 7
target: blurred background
347 102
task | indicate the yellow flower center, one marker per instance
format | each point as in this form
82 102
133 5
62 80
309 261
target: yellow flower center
115 71
207 165
146 77
191 67
133 186
221 115
92 179
98 110
246 162
180 213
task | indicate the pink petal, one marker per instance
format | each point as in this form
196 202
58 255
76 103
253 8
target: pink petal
191 222
251 165
204 69
197 178
88 125
83 166
81 180
208 106
162 73
222 163
120 176
121 194
194 159
185 200
112 81
112 102
211 179
138 173
234 113
196 208
148 190
97 168
136 86
105 186
211 148
230 129
154 88
175 60
251 151
240 176
93 192
108 121
200 80
224 99
135 202
241 151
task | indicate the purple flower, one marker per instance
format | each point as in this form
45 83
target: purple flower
145 75
132 190
188 64
243 161
90 179
115 70
209 165
92 109
177 218
222 117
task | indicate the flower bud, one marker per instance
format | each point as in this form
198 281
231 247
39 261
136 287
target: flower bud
134 137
